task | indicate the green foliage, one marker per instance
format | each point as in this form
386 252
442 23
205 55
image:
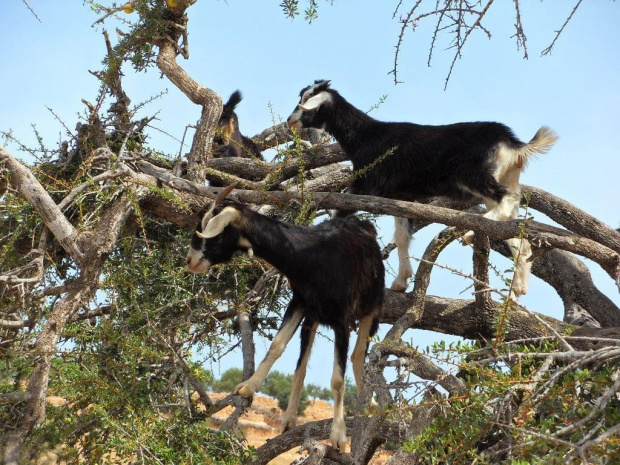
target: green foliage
527 409
206 377
229 380
350 396
317 392
279 386
136 44
291 9
91 434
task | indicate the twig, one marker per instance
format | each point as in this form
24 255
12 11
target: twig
557 35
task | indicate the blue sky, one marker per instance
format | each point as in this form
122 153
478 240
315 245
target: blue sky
251 46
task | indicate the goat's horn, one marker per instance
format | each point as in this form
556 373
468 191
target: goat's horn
316 101
220 198
222 195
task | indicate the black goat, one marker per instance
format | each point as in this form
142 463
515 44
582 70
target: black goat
232 142
336 275
463 160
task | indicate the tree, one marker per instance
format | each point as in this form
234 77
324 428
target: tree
317 392
93 236
278 385
229 380
350 396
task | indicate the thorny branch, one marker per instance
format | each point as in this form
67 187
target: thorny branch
140 183
452 18
423 315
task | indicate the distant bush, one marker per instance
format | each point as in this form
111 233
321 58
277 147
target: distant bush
278 385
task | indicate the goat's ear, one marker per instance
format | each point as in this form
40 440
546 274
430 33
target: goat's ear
322 84
316 101
217 224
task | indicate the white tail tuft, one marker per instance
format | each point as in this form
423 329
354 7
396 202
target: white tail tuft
542 142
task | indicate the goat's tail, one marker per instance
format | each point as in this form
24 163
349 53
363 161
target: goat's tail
542 142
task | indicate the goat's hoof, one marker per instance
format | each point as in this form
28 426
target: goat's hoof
399 286
516 292
244 390
288 424
540 242
468 238
338 436
374 407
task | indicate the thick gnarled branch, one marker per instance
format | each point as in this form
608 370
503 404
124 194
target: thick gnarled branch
28 186
467 221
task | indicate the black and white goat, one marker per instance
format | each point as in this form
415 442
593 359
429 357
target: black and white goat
480 159
232 142
336 275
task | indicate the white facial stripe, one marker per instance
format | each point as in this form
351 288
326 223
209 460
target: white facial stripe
295 116
308 93
195 261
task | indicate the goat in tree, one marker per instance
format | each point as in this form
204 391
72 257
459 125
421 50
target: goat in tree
232 142
336 275
479 159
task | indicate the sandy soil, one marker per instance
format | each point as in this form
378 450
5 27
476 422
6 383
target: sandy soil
263 422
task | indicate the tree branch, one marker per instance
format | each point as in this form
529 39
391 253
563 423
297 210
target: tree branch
211 104
572 218
28 186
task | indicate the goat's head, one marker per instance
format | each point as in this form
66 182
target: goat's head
218 235
228 121
308 112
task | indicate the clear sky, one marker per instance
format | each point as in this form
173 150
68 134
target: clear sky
251 46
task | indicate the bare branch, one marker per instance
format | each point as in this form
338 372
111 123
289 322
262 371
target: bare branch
31 189
210 101
557 35
572 217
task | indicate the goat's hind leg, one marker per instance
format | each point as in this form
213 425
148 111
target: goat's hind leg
308 331
367 328
507 208
338 435
496 197
402 238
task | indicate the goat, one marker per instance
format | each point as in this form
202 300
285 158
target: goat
336 275
482 160
232 142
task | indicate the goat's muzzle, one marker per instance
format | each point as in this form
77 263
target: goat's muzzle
294 123
196 263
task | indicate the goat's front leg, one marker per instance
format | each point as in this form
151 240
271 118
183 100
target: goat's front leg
290 323
402 238
338 436
308 331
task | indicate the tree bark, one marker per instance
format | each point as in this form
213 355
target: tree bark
541 235
45 348
211 104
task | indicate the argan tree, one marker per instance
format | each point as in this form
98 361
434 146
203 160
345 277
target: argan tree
96 308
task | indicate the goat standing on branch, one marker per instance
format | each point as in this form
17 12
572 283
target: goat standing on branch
233 143
412 162
336 274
